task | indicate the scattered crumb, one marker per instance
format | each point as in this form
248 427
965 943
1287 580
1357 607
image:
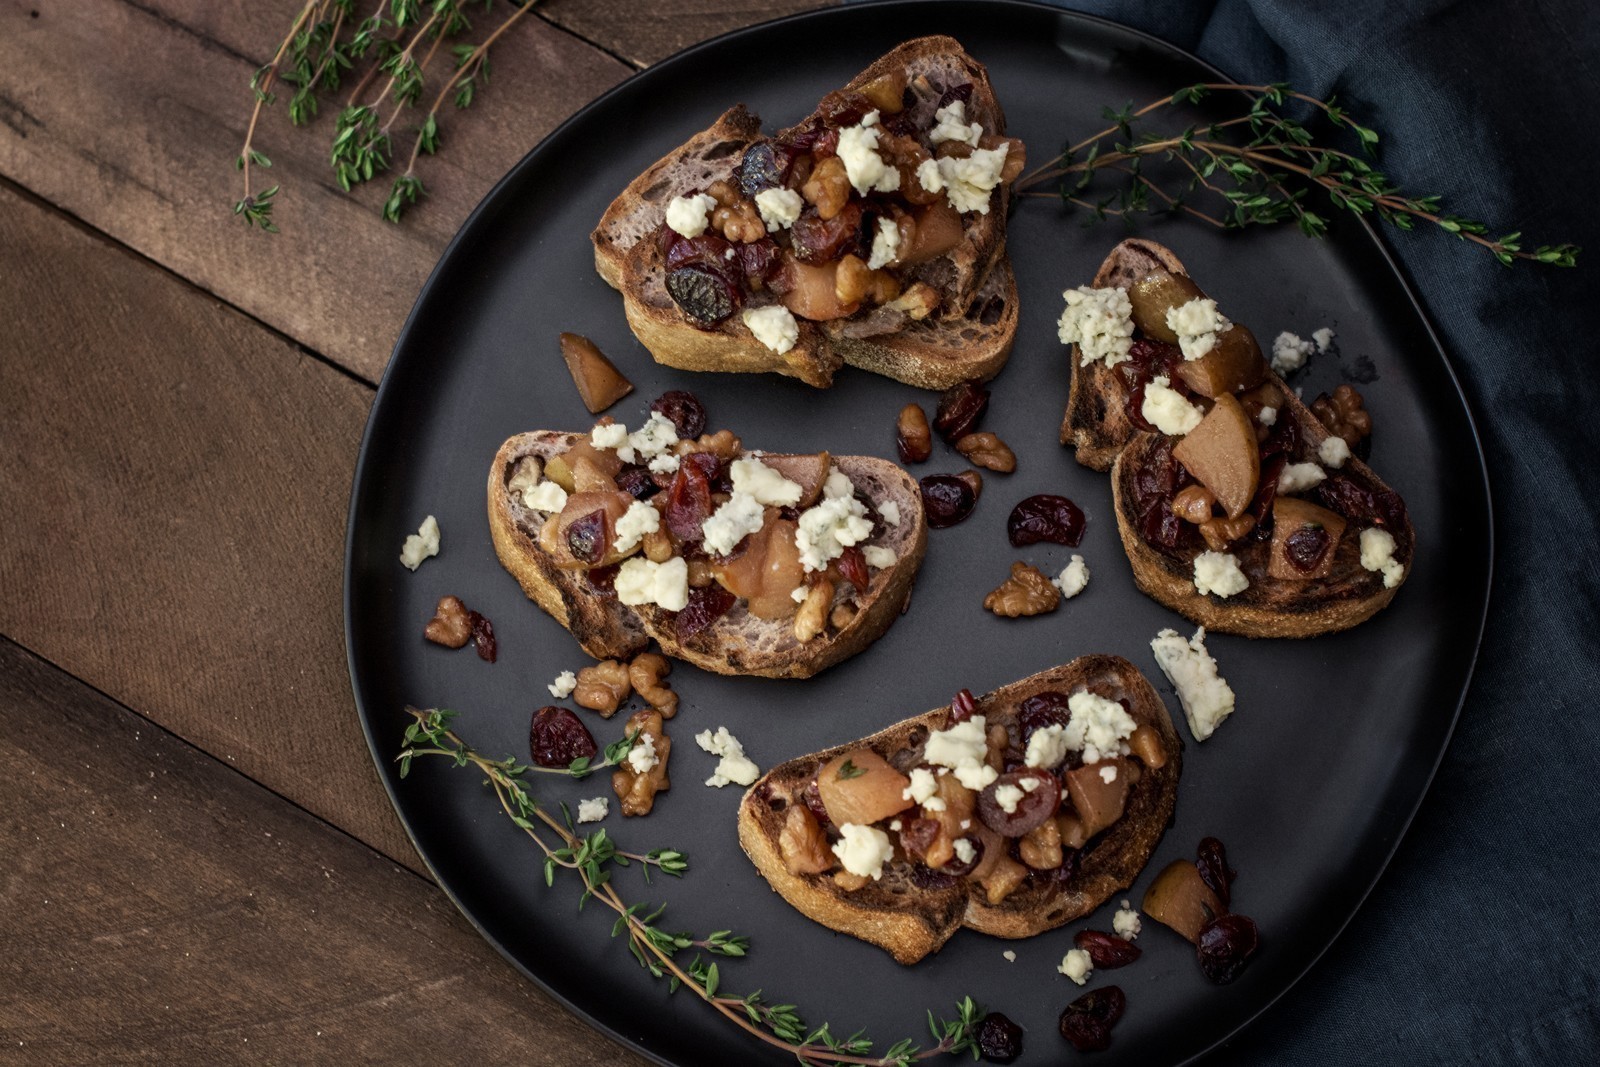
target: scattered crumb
563 686
594 809
1011 957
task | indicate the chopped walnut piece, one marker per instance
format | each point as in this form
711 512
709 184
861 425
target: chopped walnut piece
451 625
1193 504
828 187
802 844
1026 592
700 574
657 545
850 882
603 687
843 614
812 618
721 444
636 788
1040 847
645 674
736 216
1344 414
918 302
854 282
1219 533
912 437
986 450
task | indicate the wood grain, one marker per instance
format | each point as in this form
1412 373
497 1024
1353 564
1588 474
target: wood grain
139 142
647 33
175 491
160 908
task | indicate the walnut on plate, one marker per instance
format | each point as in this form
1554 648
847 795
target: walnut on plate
1026 592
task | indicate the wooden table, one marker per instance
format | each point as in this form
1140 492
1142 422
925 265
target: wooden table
199 863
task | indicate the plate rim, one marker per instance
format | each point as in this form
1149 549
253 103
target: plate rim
662 68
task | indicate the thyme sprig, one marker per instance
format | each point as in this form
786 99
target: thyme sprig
1261 165
432 727
658 949
325 41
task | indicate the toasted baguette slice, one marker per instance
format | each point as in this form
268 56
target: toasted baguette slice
971 334
911 914
1097 424
738 642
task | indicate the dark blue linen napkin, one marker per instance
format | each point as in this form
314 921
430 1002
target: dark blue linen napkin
1480 944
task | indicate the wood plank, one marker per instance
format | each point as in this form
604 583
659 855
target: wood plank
160 908
647 33
175 488
140 145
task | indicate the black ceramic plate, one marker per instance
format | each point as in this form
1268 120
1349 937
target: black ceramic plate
1310 784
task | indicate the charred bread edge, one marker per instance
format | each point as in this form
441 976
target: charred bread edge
1110 865
601 624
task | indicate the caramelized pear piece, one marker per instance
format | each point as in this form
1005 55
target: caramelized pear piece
1099 803
599 383
1180 899
1154 295
809 470
938 229
887 91
815 295
589 521
1146 745
1235 363
1221 452
860 787
1304 539
767 571
559 469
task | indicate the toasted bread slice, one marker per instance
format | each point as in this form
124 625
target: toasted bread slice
738 642
1097 424
969 336
912 911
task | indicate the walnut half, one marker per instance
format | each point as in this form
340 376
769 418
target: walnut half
1026 592
603 687
1344 414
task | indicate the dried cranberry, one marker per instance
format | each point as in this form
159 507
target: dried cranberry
812 797
1305 548
586 536
843 107
707 249
1064 873
761 261
1261 506
960 408
901 123
999 1039
637 482
928 878
946 500
1031 810
1212 861
761 168
1048 708
705 607
1282 440
1343 494
556 738
1087 1021
705 294
916 835
1225 945
603 580
962 92
483 637
853 568
684 410
963 707
688 500
819 240
1106 950
1045 517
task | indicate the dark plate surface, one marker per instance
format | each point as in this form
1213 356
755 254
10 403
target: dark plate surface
1310 784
